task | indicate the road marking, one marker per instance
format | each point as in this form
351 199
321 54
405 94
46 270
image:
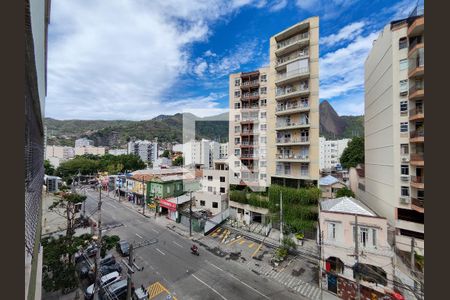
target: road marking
154 230
251 245
231 243
228 273
241 242
257 249
157 288
139 236
209 287
177 244
160 251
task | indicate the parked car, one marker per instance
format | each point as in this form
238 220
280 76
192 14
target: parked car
105 281
91 250
123 248
105 270
116 290
83 269
140 294
109 259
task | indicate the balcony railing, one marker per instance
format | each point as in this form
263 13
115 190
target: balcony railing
293 156
417 133
290 90
417 179
292 106
250 107
254 143
299 71
416 111
292 40
250 95
296 54
291 140
245 155
250 132
291 124
416 157
288 172
419 201
416 87
416 41
417 62
250 119
250 83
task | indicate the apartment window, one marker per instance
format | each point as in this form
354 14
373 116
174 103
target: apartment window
402 43
237 152
210 178
263 115
237 82
222 190
263 163
263 90
263 127
237 94
237 117
404 191
404 127
202 202
236 175
332 231
210 189
222 178
263 78
403 86
404 169
403 108
403 64
263 102
237 163
364 236
264 140
374 236
215 204
404 149
263 176
237 129
237 105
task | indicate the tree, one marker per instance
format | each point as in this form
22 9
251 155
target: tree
179 161
49 168
345 192
166 153
353 154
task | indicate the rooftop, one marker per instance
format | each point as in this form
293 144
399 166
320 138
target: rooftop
347 205
328 180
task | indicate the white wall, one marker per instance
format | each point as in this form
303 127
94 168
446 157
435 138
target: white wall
331 152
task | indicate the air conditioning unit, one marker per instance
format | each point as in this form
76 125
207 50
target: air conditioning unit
404 177
405 159
405 200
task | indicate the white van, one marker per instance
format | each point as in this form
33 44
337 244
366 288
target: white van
104 281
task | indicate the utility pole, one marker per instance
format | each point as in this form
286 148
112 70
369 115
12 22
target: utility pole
320 263
99 248
130 272
358 286
413 263
190 214
281 217
143 196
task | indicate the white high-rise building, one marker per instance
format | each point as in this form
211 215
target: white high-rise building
117 151
146 150
83 142
330 152
223 151
202 152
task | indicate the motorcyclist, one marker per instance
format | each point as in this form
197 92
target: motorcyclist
194 248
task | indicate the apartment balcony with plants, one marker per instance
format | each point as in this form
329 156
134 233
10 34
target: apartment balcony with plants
417 133
418 112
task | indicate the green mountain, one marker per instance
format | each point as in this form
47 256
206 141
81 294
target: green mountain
333 126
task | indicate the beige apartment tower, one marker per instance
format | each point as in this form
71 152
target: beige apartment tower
248 128
293 105
394 130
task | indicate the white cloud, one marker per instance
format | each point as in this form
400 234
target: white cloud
328 9
307 4
353 105
348 32
201 68
209 53
278 5
120 59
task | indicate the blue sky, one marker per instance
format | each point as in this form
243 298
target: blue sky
136 59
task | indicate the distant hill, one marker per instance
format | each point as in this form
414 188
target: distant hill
333 126
117 133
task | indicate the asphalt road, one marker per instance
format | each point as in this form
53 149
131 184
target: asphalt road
170 262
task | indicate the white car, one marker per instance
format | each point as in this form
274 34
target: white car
104 281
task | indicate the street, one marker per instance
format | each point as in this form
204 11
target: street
169 265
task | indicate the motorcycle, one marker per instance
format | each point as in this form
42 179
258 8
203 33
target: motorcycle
195 251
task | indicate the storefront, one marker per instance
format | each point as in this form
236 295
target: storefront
169 209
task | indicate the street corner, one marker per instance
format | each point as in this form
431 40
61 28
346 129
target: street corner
158 291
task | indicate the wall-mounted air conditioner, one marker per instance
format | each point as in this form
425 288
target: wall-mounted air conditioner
405 200
404 177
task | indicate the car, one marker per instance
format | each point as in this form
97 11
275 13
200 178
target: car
83 269
91 250
140 294
117 290
105 281
110 268
123 248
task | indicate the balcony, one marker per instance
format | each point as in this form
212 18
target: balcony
296 42
292 141
415 44
416 113
417 159
250 168
291 125
250 96
293 157
283 61
417 27
250 155
246 85
250 132
249 144
418 204
250 74
288 173
291 76
416 91
416 64
285 93
418 182
249 120
249 107
292 108
417 136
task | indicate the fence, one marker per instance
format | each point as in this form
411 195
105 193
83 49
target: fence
212 223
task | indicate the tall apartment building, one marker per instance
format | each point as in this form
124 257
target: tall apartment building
37 18
394 129
223 151
248 129
84 142
90 150
330 152
146 150
202 152
61 152
117 151
293 105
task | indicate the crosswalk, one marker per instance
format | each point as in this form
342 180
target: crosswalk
309 290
